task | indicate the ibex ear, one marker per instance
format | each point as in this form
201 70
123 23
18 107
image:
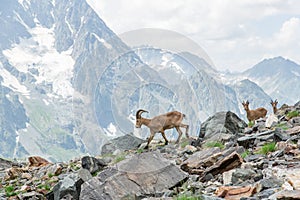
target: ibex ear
271 101
247 102
276 101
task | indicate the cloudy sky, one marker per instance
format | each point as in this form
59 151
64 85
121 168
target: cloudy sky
236 34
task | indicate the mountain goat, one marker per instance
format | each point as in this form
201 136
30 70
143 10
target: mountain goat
162 122
274 105
253 115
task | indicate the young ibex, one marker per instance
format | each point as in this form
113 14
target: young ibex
274 106
162 122
253 115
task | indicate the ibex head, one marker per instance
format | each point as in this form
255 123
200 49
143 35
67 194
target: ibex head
274 105
138 122
246 105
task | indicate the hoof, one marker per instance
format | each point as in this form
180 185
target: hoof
166 143
146 147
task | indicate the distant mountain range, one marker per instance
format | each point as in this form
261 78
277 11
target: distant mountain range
278 77
68 83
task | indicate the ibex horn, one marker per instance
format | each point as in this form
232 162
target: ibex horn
139 112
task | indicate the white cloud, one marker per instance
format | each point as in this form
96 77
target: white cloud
289 32
233 32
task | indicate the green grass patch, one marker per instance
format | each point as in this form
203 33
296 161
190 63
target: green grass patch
291 114
184 143
214 144
139 151
269 147
250 124
120 157
245 154
50 175
45 186
74 166
282 126
10 191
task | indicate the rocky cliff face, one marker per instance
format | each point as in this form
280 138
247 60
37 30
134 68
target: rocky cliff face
48 78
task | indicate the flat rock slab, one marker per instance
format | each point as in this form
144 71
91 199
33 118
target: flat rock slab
144 174
197 162
248 140
232 161
293 131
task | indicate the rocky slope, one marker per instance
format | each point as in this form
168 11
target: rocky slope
229 160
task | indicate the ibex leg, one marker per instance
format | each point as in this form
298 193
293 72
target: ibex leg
164 136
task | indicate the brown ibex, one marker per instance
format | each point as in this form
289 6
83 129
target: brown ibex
162 122
274 106
253 115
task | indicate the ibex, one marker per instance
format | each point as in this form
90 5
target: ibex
160 123
274 105
253 115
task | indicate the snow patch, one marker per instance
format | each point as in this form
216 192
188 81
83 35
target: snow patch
111 130
132 118
68 24
296 73
39 52
24 3
177 68
165 59
46 102
17 144
106 44
12 82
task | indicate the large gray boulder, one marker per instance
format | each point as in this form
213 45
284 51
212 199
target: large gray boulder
142 175
125 142
92 164
221 127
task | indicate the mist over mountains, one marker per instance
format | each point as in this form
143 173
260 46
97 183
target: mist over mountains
68 83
